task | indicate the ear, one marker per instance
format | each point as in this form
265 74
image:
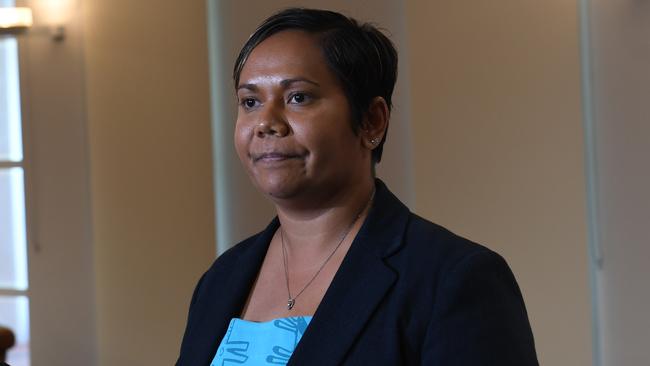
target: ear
375 123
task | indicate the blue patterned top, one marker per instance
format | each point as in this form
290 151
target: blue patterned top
260 343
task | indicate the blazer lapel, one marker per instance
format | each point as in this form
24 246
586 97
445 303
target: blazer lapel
358 287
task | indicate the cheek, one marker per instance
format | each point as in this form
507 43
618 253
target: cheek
241 140
329 137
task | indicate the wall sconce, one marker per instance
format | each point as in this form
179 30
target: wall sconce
19 20
15 20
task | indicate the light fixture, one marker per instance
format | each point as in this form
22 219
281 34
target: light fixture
15 20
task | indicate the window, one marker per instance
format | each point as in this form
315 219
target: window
14 303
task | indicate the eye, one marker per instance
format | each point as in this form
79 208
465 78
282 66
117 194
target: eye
298 98
248 103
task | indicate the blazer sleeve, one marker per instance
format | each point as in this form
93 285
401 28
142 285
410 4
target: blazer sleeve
479 317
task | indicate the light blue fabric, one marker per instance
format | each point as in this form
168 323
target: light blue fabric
260 343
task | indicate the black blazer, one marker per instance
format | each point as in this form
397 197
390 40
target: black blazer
408 292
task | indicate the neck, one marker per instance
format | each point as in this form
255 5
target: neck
319 227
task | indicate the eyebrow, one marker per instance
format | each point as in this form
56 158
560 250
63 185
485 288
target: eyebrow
284 83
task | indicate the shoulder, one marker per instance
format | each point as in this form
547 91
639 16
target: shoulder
432 259
468 286
420 251
230 257
439 248
229 264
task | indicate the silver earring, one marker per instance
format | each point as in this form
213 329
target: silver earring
374 141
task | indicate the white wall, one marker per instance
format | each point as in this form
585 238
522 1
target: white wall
620 80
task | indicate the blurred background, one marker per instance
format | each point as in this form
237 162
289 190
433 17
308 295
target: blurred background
523 125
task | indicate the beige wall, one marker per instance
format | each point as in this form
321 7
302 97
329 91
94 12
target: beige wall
150 157
499 149
491 94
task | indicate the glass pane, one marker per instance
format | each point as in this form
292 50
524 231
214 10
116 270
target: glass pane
13 243
14 314
10 118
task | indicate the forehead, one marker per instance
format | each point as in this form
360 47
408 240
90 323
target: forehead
289 53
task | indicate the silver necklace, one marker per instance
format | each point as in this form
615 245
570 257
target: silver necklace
291 302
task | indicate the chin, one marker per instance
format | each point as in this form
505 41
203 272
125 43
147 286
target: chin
281 192
282 189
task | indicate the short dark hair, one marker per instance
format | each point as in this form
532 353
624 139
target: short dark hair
363 59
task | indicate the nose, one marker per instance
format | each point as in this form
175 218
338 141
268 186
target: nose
272 122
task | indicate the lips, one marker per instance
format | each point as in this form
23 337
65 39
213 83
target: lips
273 156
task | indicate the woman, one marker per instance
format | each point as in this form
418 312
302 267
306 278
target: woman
345 274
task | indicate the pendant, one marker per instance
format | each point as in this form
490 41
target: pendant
291 303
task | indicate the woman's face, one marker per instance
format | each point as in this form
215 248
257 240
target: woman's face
293 132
